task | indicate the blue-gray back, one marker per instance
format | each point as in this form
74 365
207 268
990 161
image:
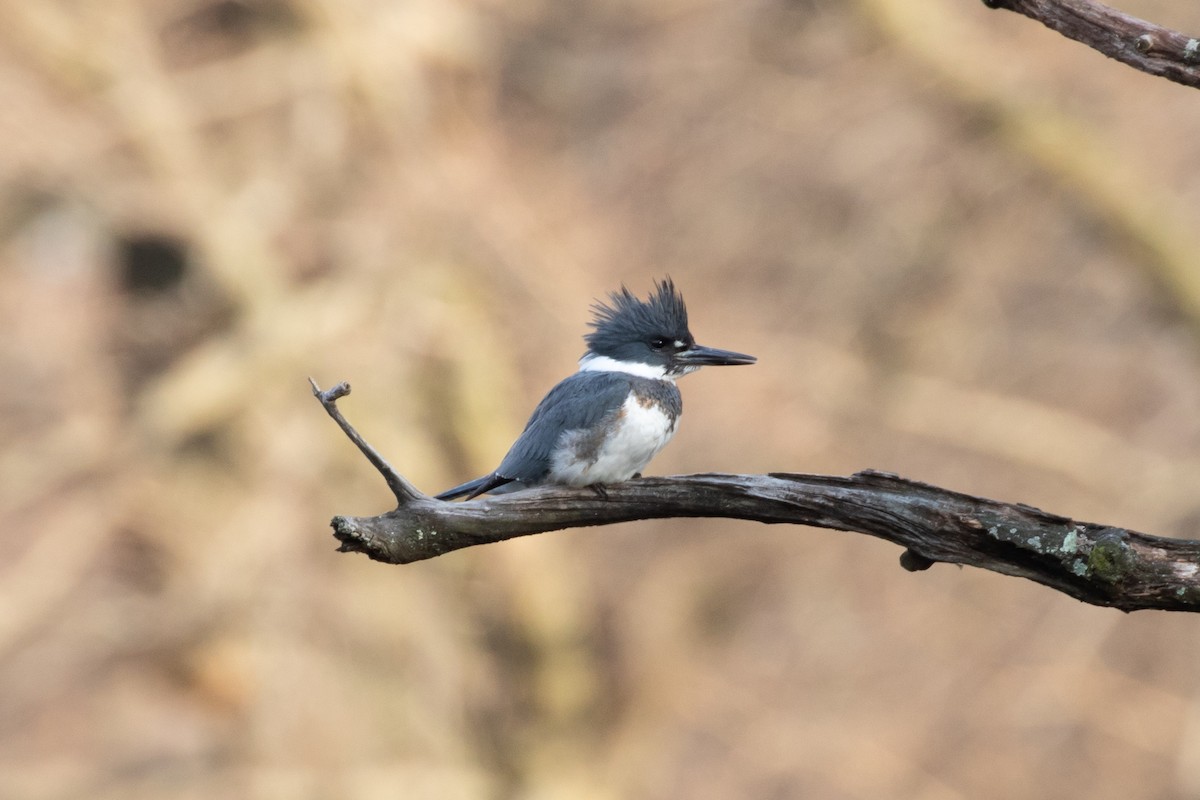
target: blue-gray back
583 400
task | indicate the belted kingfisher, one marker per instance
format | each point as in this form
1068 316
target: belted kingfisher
604 423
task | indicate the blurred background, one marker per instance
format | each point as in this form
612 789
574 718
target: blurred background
963 248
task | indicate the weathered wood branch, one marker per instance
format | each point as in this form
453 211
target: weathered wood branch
1098 564
1136 42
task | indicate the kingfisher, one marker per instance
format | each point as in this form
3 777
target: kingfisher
604 423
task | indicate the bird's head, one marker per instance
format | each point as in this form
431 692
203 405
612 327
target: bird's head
649 337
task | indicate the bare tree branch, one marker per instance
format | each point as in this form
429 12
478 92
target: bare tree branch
1098 564
1140 44
401 488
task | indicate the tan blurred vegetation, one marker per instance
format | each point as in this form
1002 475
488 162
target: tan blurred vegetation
963 248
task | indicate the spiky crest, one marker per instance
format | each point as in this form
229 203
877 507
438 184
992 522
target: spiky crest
627 319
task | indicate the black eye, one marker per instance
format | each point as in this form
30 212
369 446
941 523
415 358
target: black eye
658 342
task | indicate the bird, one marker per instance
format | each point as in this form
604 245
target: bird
604 423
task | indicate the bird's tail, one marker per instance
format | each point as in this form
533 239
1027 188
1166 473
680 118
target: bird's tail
474 488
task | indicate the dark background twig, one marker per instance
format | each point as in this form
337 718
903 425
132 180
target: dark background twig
1140 44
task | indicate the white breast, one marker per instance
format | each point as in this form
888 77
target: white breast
640 432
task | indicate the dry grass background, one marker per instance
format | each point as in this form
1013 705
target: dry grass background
963 248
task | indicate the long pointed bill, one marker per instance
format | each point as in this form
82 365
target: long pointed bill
700 356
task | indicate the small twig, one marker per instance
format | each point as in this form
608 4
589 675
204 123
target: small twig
1097 564
1136 42
401 488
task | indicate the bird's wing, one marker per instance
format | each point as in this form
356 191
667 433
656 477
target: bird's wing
579 401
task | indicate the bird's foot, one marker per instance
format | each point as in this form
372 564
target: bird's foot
600 489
